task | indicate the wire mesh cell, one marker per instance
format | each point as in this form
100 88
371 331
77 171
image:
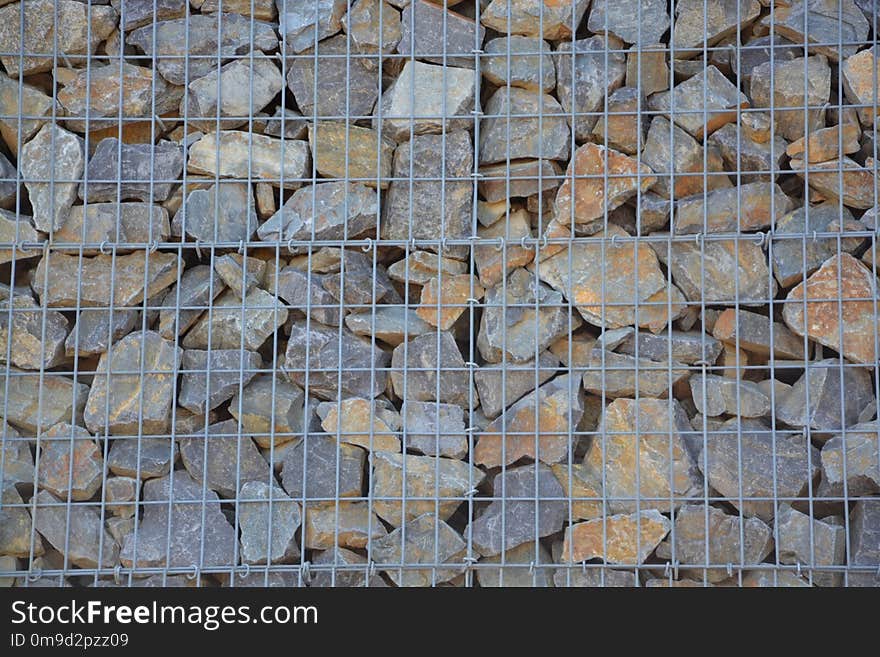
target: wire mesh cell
409 293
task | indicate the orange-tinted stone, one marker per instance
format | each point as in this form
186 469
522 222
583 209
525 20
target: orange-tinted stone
353 419
452 299
616 539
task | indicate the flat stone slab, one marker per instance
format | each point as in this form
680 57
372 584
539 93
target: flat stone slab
748 207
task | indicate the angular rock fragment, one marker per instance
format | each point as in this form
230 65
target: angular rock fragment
621 375
70 463
646 68
842 179
720 271
419 267
35 105
33 337
302 24
811 542
134 386
16 527
687 347
857 286
240 273
271 412
725 396
437 35
246 155
268 519
222 213
752 206
498 182
703 103
425 99
728 539
521 568
355 421
351 152
823 22
187 49
549 19
323 211
583 84
445 299
52 156
435 429
501 386
511 128
37 401
425 539
699 24
532 71
344 571
138 13
864 550
320 467
245 86
494 264
183 526
632 21
343 523
858 73
861 471
603 180
620 129
327 85
681 156
537 426
17 460
815 400
213 377
121 494
306 290
540 511
184 303
754 160
616 539
757 334
750 466
16 230
234 323
417 365
46 30
145 173
583 487
390 324
232 459
144 458
96 223
359 373
826 143
788 90
428 484
76 531
373 26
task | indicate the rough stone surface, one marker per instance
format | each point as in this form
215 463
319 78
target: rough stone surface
827 143
788 91
501 386
811 542
757 334
861 471
527 17
756 161
724 396
418 359
369 35
37 401
34 337
355 421
616 539
146 458
344 524
843 174
350 152
514 112
699 24
518 570
686 347
54 154
302 24
224 212
232 459
494 264
34 104
210 378
858 73
435 429
234 323
425 539
343 577
621 375
437 35
824 22
16 525
133 389
193 292
529 70
632 21
114 222
125 171
75 531
271 411
319 468
445 299
70 463
748 207
864 531
427 480
266 512
623 126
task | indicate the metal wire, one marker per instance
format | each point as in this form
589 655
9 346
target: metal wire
322 492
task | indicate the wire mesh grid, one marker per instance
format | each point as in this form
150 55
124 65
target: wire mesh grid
365 293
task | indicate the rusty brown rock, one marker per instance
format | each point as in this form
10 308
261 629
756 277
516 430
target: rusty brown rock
620 538
356 422
37 401
35 105
345 524
114 222
646 68
499 182
70 463
754 160
858 183
748 207
854 338
583 486
351 152
755 333
76 531
441 308
858 73
558 19
494 264
420 267
623 125
826 143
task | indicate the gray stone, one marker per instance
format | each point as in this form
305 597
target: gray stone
323 211
320 468
436 35
267 517
824 22
184 303
420 267
699 24
305 290
435 429
37 401
70 463
295 125
725 396
720 271
597 72
76 531
686 347
222 35
521 319
861 471
133 388
747 207
592 577
33 336
272 411
755 161
438 193
210 378
47 31
360 373
17 460
232 459
622 375
498 182
426 99
727 539
234 323
788 90
524 567
811 542
507 524
302 24
632 21
144 458
183 527
358 288
425 539
529 70
121 494
347 569
538 426
842 178
548 19
8 183
758 335
346 87
137 13
102 96
224 212
430 368
815 399
96 223
135 177
245 86
240 273
622 130
511 129
372 25
390 324
34 104
864 533
16 527
750 466
15 230
54 154
501 386
653 212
